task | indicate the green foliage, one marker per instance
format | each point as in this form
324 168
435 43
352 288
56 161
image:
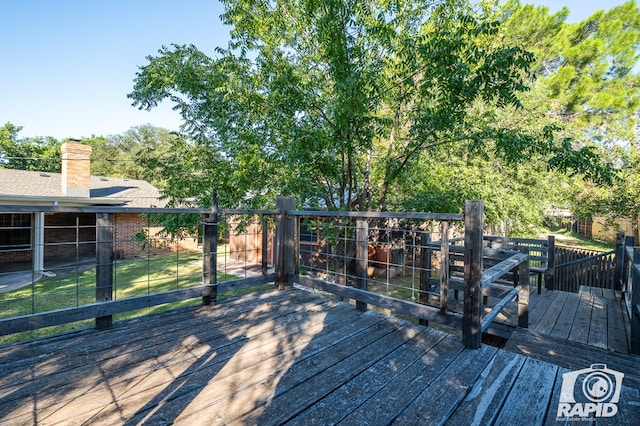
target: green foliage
139 153
332 100
41 154
622 199
580 116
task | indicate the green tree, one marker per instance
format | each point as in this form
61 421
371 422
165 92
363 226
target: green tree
585 118
333 100
586 84
589 91
139 153
619 201
40 154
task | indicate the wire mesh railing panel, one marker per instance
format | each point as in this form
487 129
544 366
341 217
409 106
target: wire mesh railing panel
401 257
246 246
50 261
155 254
53 275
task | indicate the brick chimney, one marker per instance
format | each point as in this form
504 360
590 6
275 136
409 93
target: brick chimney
76 169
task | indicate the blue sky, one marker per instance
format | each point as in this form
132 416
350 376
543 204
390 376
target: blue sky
69 64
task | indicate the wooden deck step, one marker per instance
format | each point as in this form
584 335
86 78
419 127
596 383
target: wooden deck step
573 355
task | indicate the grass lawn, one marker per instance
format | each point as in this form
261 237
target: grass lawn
132 277
575 240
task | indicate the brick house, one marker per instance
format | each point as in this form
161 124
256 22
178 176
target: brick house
38 237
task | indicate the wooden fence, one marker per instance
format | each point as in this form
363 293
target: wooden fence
595 270
564 255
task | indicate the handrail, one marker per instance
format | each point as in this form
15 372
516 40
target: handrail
496 271
586 259
629 252
105 244
17 208
488 318
378 215
537 243
286 256
520 261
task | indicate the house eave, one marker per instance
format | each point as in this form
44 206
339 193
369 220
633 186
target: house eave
59 201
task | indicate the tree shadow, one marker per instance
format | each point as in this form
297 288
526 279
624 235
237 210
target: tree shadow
329 359
220 364
106 376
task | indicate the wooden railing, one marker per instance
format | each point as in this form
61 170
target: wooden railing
630 276
542 258
519 261
346 271
593 271
332 273
355 246
541 255
106 304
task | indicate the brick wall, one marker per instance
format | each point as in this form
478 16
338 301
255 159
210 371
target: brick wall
130 227
21 255
15 237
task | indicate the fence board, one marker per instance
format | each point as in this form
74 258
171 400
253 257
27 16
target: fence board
593 271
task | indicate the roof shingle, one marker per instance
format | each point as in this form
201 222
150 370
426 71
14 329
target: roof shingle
133 193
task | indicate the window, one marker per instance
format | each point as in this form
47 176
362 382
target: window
15 230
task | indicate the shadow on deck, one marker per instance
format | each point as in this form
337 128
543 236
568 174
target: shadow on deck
282 357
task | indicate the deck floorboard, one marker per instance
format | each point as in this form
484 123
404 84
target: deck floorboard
298 358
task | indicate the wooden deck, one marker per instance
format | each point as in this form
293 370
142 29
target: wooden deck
281 357
592 317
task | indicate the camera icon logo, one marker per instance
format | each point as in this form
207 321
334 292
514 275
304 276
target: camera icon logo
593 391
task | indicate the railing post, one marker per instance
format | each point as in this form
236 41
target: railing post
635 301
629 241
425 271
549 275
619 261
471 320
362 259
285 243
523 295
444 265
265 244
104 264
38 242
210 253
